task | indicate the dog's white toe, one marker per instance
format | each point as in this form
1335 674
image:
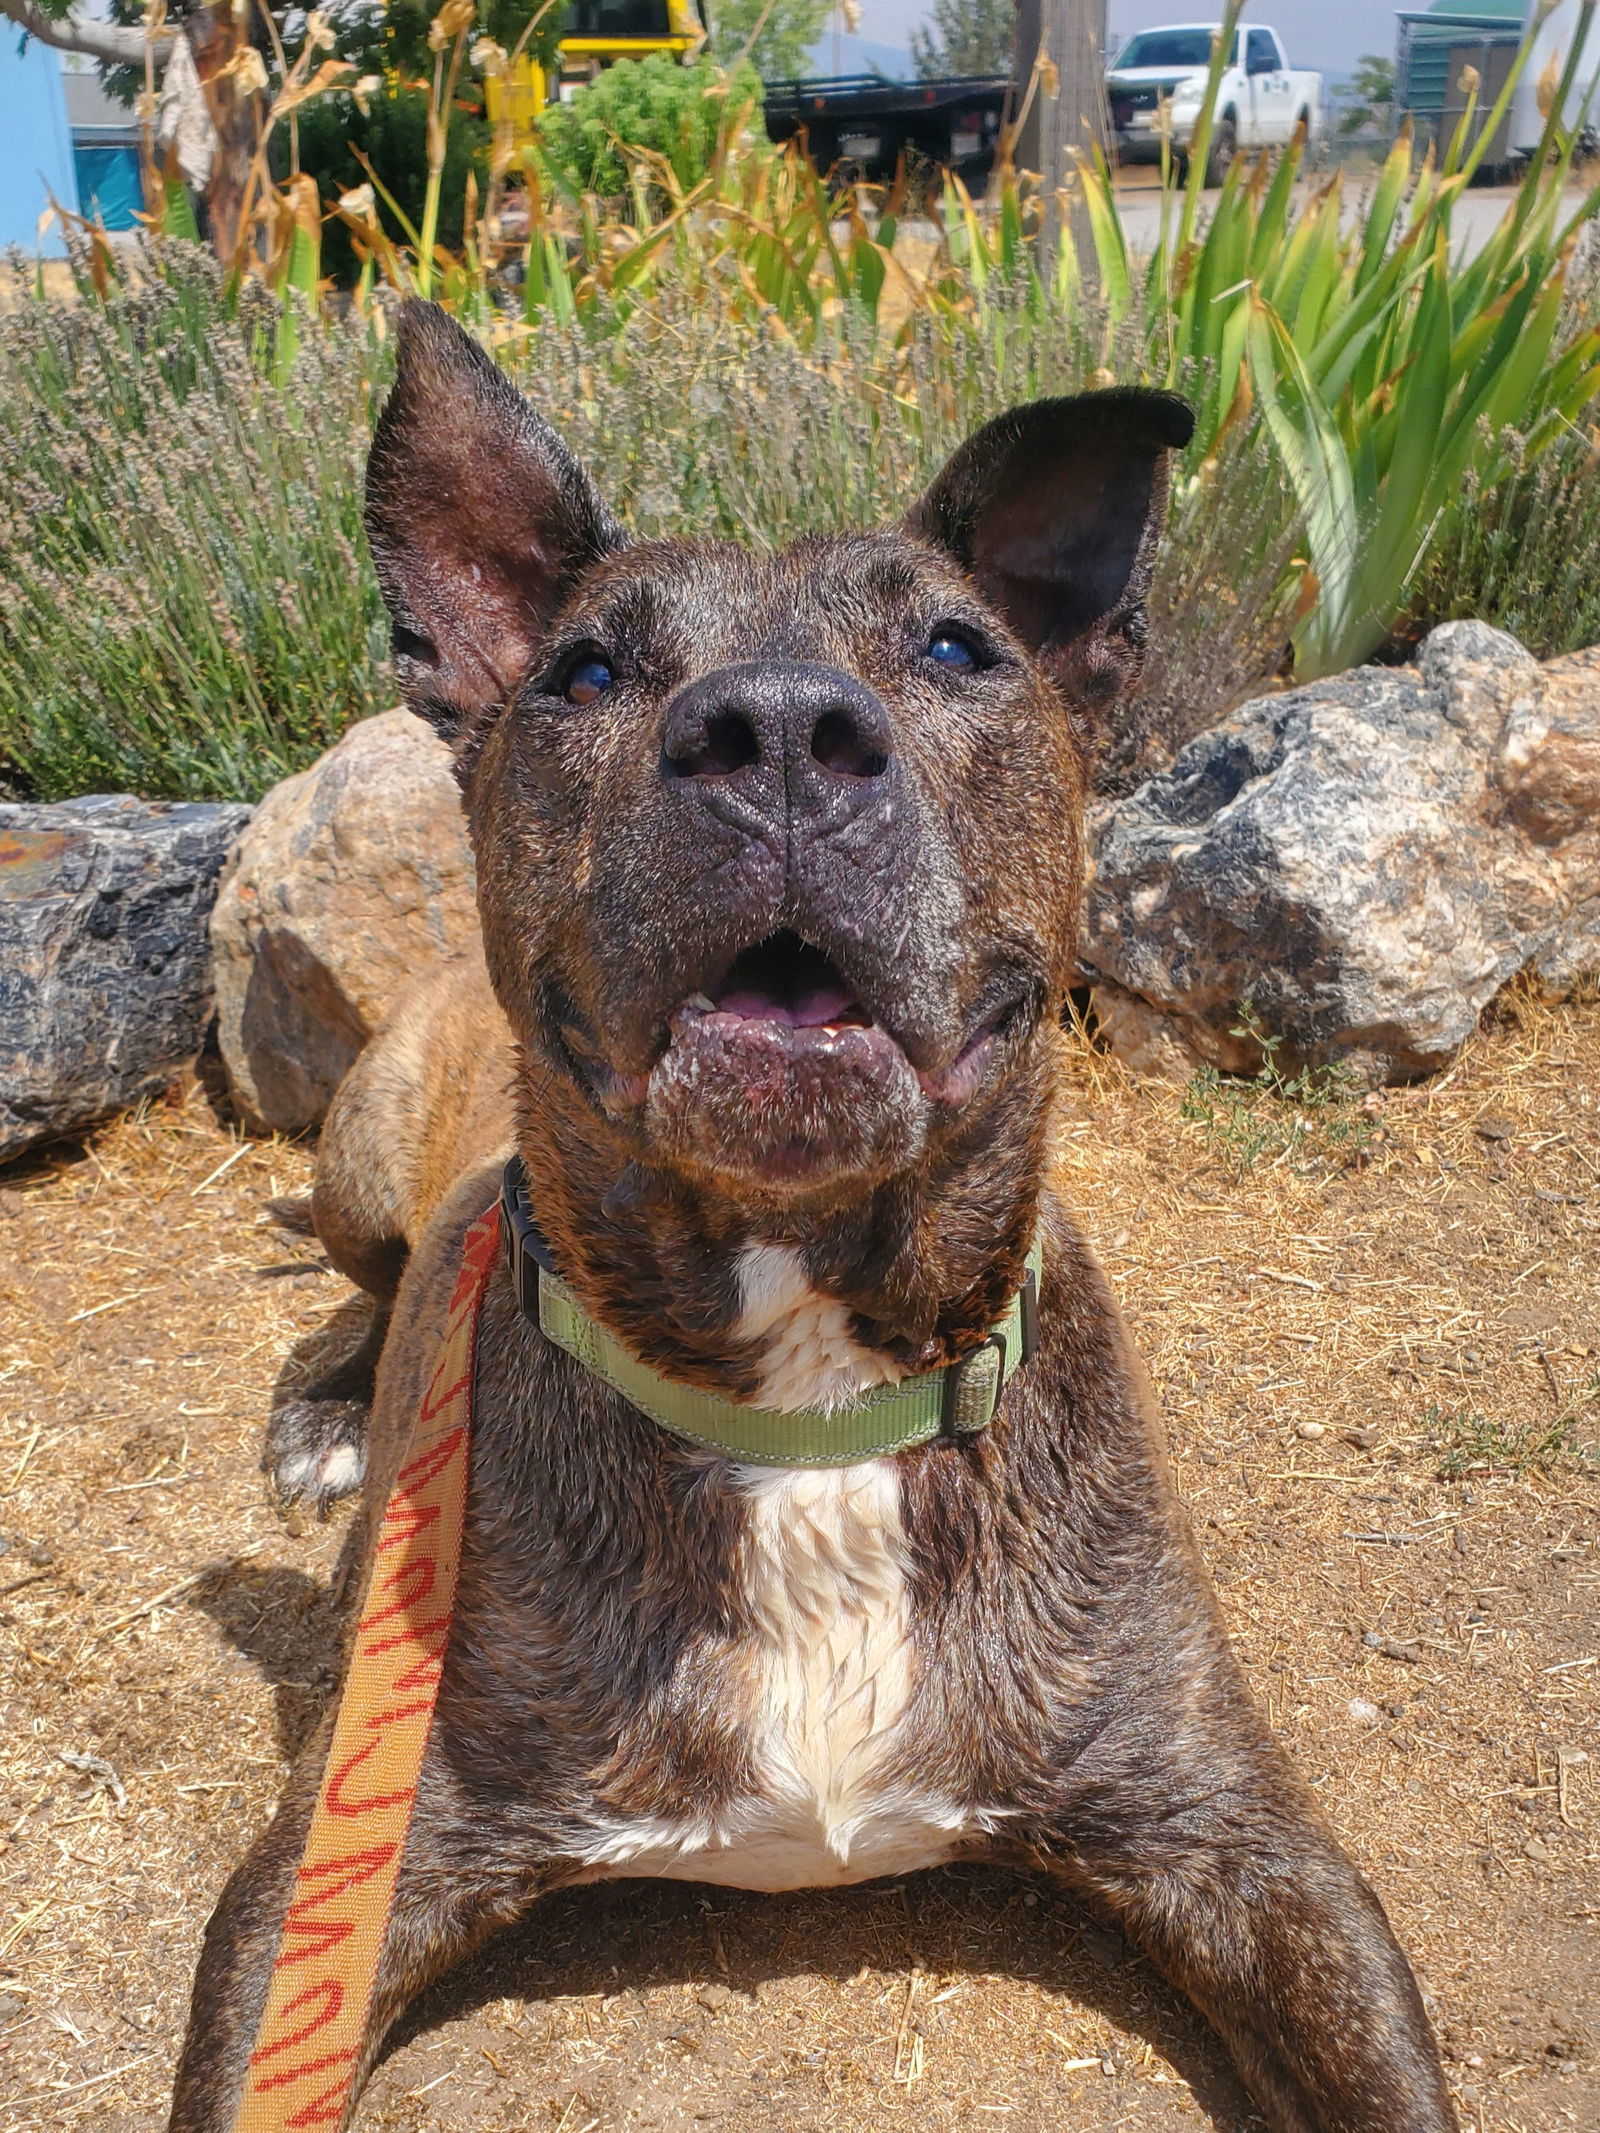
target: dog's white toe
316 1451
341 1471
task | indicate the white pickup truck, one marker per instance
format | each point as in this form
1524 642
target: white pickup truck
1157 83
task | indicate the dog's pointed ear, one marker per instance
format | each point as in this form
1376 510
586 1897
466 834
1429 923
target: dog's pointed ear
479 519
1055 510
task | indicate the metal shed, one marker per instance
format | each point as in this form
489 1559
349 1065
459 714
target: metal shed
1436 43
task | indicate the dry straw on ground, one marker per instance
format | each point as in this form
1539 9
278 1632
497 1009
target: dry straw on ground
1328 1347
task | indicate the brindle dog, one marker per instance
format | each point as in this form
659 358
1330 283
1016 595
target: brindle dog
779 861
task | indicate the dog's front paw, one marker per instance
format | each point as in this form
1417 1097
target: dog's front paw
316 1450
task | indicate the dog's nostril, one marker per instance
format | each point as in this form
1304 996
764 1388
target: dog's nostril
726 744
838 744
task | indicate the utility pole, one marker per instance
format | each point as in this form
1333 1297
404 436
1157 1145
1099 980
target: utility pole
1074 36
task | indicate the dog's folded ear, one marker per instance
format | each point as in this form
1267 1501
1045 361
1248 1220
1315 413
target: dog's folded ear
1055 509
479 519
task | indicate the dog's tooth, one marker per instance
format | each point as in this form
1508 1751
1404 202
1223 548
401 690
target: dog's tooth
698 1000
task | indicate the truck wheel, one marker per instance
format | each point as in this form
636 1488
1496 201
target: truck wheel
1220 155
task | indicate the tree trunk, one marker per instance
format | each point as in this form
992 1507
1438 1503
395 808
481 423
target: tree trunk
1074 36
237 113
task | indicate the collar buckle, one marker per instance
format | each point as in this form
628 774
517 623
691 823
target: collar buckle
972 1389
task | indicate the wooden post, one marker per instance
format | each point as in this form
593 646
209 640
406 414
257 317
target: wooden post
1074 36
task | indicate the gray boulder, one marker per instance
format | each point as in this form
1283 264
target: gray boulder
105 960
1366 861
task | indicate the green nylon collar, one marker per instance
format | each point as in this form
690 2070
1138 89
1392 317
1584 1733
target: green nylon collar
953 1403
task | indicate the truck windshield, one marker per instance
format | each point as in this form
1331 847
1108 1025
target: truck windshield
1165 48
617 18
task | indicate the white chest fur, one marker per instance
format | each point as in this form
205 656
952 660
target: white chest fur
810 1356
828 1673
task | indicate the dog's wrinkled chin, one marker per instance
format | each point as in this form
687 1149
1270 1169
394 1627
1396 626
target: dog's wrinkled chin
782 1077
746 1095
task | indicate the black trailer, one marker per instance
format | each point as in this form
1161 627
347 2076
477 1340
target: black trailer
866 125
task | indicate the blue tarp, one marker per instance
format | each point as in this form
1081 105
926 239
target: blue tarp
110 187
35 143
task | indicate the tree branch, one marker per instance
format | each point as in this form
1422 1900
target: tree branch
110 41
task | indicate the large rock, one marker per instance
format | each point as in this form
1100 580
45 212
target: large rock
1365 861
352 878
105 964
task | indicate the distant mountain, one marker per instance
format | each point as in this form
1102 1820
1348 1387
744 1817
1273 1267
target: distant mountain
848 54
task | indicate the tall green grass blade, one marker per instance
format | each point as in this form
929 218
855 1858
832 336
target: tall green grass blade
177 210
1409 501
1318 468
1386 198
1200 145
1106 235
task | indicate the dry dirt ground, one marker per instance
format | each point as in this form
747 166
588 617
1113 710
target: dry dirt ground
1358 1366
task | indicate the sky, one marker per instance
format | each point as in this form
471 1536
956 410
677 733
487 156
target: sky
1316 34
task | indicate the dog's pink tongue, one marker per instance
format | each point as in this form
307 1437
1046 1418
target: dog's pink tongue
810 1009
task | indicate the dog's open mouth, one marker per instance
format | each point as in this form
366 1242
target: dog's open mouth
785 981
784 1030
785 984
786 1007
781 1070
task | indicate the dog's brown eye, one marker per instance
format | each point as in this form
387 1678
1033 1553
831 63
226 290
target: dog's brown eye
587 681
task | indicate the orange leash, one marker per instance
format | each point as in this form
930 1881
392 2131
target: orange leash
308 2047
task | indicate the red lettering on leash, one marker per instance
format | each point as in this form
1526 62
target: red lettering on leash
321 1935
438 1400
424 1668
321 1988
418 1472
333 1798
380 1719
417 1578
326 2109
287 2079
439 1627
407 1522
331 1994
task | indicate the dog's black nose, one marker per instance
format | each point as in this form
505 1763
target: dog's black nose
778 721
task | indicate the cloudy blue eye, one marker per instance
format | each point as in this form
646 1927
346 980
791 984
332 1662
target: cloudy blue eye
949 650
587 681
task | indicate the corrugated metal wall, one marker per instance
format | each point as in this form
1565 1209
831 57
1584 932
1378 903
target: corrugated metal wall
1425 88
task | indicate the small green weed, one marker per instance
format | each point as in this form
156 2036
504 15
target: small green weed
1471 1443
1309 1119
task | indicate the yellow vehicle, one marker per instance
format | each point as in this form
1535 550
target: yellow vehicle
594 34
